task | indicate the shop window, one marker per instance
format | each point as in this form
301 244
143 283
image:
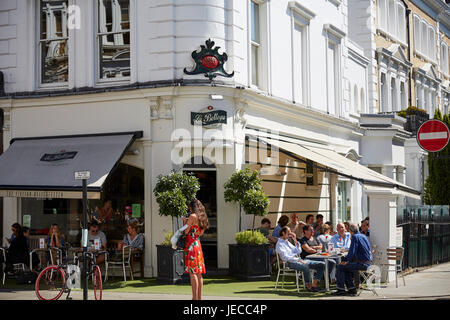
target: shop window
53 42
113 36
124 187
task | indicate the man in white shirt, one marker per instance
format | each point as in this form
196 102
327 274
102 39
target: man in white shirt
290 253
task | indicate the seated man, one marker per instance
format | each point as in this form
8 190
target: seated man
296 226
289 253
95 233
318 224
359 258
310 245
265 230
365 227
342 238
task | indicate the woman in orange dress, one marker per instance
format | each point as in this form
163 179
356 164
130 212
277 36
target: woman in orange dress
194 264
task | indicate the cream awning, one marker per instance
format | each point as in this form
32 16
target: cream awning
45 167
334 162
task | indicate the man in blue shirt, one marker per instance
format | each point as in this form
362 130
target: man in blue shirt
283 221
342 238
359 258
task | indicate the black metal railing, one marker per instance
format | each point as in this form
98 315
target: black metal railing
426 235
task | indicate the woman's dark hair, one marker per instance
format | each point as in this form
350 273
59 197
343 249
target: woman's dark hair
284 220
265 220
18 227
197 207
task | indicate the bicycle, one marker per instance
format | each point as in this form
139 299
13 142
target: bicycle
55 280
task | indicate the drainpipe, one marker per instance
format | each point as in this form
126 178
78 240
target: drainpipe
408 12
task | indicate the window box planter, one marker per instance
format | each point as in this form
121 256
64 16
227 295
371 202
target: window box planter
170 265
249 262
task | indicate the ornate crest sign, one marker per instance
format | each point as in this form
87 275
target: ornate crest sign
209 61
209 117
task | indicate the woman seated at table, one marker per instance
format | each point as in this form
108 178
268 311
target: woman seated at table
133 238
18 250
325 236
55 239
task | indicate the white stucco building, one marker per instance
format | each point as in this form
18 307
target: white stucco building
301 76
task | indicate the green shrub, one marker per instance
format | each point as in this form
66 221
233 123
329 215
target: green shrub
255 202
251 237
167 236
174 191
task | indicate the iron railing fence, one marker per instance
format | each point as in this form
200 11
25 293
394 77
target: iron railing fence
426 234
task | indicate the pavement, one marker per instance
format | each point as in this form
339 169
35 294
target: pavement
430 284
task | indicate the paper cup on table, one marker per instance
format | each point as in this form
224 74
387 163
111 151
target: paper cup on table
97 244
41 243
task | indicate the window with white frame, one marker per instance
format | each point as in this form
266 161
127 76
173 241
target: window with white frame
444 58
392 19
113 36
424 38
393 95
299 63
53 42
402 96
255 42
383 98
362 105
300 19
333 66
332 75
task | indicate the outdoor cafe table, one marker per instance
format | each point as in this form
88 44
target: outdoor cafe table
318 256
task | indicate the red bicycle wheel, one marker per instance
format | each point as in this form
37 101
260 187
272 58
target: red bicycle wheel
50 283
98 284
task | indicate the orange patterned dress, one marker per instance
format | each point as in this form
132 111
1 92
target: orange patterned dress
193 254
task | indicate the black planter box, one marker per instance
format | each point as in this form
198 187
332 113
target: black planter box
249 262
170 265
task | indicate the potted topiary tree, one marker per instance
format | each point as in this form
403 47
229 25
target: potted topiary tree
173 192
249 258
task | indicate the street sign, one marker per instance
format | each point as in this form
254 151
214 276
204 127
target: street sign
433 135
80 175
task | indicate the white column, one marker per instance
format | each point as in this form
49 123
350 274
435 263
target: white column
10 214
383 223
148 191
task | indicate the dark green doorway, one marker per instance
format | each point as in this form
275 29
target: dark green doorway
208 196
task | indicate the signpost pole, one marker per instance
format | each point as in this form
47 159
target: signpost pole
84 176
85 262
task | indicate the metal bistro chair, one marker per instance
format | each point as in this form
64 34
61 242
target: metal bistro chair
124 264
369 275
283 270
395 254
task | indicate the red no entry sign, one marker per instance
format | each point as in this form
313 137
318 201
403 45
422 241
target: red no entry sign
433 135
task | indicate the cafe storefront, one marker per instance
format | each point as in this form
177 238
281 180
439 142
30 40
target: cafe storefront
39 172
